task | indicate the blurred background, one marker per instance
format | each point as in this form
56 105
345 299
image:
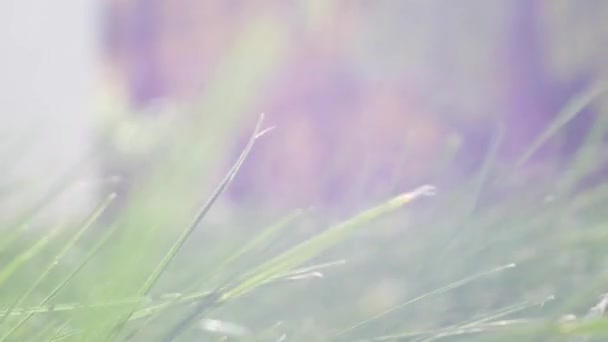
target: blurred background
365 96
154 99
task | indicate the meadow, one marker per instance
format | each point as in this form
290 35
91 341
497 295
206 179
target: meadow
504 254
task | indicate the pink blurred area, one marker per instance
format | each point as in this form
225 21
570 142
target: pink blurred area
366 94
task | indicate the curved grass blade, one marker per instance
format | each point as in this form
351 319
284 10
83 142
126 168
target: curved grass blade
201 295
177 299
20 260
440 290
56 308
484 322
585 160
162 266
87 257
569 112
164 263
166 300
314 246
66 248
64 336
59 332
11 237
216 298
483 175
454 332
260 241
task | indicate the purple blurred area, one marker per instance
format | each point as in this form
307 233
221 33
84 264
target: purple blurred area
366 94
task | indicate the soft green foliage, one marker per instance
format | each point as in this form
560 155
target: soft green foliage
282 266
493 259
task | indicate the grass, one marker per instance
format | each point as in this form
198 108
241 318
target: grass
476 262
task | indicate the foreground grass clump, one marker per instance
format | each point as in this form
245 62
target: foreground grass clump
502 256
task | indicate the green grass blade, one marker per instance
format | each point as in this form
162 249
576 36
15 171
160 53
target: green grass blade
57 308
66 248
11 268
569 112
471 202
145 312
65 281
482 323
11 237
585 160
440 290
162 266
314 246
63 336
261 240
20 260
59 332
484 173
170 255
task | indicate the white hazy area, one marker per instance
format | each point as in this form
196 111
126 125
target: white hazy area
49 68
